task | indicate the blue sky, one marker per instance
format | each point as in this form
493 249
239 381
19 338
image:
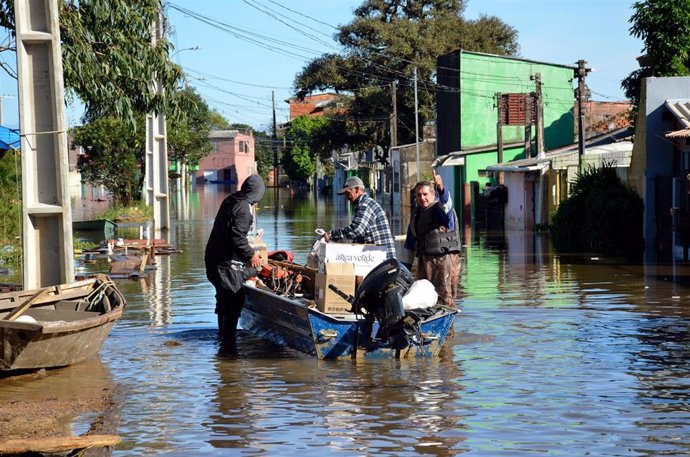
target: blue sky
237 53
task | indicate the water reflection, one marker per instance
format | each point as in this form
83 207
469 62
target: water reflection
156 291
551 355
71 400
295 405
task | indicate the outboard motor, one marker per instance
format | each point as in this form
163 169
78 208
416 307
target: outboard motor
380 295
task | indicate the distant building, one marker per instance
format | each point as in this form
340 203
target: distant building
311 105
660 169
232 159
604 117
487 112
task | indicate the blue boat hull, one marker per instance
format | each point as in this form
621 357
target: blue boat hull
293 323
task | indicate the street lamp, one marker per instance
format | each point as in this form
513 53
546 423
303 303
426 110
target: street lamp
194 48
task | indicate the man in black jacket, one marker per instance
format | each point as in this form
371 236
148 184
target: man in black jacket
229 258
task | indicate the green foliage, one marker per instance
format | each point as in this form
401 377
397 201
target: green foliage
11 254
82 245
108 59
10 198
114 157
664 28
384 42
137 212
601 215
188 131
218 121
263 151
299 162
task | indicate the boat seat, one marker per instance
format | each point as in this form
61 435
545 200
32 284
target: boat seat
49 315
72 305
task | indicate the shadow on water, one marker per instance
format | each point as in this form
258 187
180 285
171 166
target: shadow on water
244 346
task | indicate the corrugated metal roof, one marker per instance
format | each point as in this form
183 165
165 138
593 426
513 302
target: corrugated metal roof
681 110
609 144
9 138
223 133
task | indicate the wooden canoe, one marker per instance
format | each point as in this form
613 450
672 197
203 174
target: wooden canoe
59 325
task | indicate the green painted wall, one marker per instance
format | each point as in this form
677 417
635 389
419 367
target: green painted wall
482 76
479 161
471 110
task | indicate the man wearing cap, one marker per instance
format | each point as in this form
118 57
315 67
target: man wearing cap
369 225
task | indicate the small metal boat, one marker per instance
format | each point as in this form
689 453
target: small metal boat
378 327
59 325
103 229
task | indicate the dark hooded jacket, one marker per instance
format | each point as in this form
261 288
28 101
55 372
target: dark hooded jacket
228 239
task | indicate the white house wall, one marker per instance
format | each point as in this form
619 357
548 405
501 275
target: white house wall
659 150
516 208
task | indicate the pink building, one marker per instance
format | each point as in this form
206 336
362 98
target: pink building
231 160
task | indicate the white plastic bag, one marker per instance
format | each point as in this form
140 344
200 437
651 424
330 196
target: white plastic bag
422 294
313 256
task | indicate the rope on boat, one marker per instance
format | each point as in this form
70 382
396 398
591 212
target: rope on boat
99 294
283 281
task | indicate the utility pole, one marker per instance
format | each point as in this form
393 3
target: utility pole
540 116
581 73
274 142
394 115
499 127
394 135
416 120
539 200
528 126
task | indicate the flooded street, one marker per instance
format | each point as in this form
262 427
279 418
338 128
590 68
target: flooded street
550 356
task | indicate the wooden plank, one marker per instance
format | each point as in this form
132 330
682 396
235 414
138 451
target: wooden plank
19 310
57 444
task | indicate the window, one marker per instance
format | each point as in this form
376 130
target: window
514 109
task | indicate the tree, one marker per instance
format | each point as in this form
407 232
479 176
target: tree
218 121
10 197
108 59
114 156
385 42
263 151
664 28
188 131
299 162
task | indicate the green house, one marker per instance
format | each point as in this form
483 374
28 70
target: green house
489 108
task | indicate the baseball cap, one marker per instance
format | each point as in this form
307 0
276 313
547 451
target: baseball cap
352 181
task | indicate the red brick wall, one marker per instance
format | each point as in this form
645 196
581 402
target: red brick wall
602 117
308 107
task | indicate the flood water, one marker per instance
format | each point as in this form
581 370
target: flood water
550 356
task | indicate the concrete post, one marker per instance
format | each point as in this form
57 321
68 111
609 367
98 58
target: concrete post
46 211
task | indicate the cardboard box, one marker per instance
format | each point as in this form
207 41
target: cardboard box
343 277
363 256
262 249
